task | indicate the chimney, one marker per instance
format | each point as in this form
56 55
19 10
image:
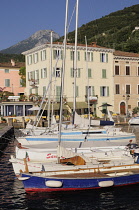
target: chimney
94 44
12 62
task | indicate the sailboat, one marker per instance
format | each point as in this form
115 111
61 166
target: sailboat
77 172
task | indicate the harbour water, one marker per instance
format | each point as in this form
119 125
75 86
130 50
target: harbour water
13 196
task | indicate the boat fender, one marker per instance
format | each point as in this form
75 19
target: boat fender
22 178
106 183
52 183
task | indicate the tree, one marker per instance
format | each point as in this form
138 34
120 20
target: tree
22 73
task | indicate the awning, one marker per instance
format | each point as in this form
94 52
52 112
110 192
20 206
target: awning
79 105
54 106
34 108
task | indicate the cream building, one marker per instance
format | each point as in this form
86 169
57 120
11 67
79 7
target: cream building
126 81
94 71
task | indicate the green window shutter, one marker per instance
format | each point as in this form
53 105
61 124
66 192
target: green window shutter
71 55
30 91
58 90
78 56
100 57
44 89
37 74
89 73
45 72
106 58
36 91
91 56
101 91
54 72
54 54
77 91
7 82
86 90
28 76
93 91
71 72
79 72
103 73
107 91
41 56
85 56
61 54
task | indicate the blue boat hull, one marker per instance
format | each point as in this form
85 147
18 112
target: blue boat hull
38 184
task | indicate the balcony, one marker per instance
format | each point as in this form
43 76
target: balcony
34 82
92 99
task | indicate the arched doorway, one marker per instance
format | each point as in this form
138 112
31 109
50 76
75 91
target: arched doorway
122 108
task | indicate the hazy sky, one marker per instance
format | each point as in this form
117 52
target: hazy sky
21 18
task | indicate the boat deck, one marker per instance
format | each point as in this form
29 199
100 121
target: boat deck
81 175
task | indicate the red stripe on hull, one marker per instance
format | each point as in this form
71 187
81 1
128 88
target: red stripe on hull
28 190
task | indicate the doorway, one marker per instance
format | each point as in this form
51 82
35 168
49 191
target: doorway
122 108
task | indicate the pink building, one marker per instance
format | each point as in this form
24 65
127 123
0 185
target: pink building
10 79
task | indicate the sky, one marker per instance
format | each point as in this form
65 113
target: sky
22 18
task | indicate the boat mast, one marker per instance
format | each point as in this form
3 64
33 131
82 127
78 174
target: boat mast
87 82
75 60
50 78
62 78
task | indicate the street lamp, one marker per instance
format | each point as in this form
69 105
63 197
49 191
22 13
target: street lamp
126 97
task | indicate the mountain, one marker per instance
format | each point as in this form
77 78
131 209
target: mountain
38 38
118 30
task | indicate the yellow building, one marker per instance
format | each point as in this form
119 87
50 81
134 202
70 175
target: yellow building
94 71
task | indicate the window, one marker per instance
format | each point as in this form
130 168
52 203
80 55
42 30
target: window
19 110
6 70
58 91
77 72
44 90
35 57
57 72
127 70
117 70
90 90
57 54
104 73
43 55
89 56
104 91
138 89
104 57
72 55
43 73
7 82
21 82
117 89
127 89
89 73
77 91
138 71
36 74
29 60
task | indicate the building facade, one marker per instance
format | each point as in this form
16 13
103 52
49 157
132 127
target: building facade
94 75
126 82
10 79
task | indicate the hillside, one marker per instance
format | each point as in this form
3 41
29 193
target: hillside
116 30
38 38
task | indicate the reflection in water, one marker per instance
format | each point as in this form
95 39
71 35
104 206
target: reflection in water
13 196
